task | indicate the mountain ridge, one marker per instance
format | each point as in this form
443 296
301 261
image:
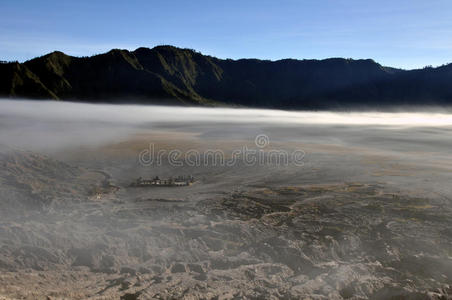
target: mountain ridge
170 75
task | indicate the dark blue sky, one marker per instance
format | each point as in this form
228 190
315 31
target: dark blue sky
400 33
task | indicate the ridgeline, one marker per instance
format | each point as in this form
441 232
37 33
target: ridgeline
175 76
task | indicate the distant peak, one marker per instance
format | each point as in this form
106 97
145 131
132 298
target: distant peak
173 49
117 50
167 47
57 53
142 49
53 56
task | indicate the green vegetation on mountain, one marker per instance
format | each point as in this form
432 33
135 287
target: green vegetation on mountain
170 75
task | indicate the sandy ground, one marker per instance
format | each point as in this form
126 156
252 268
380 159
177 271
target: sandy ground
367 215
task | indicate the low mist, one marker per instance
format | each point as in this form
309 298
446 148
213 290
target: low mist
364 214
50 125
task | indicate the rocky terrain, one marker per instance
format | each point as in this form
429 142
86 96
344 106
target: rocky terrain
359 220
328 241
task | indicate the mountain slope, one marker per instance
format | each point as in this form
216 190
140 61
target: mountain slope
170 75
16 80
113 76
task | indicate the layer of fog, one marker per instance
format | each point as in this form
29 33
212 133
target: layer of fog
45 125
419 161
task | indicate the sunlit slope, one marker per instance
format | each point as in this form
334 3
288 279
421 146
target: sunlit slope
170 75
